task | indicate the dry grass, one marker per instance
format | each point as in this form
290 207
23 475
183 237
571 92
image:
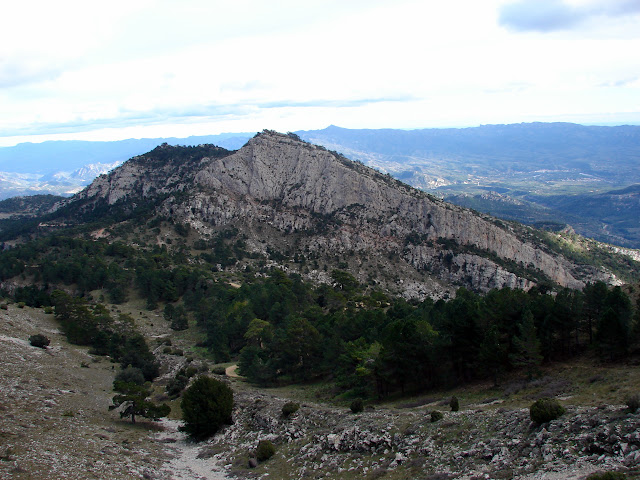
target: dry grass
54 418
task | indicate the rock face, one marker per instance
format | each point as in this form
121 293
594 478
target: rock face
283 193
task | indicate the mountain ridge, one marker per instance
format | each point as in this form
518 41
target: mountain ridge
285 194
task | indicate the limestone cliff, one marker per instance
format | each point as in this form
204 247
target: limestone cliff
286 194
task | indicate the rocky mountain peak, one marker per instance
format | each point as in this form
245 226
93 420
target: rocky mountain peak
290 196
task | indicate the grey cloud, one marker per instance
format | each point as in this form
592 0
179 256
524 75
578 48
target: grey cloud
15 73
553 15
358 102
619 83
180 115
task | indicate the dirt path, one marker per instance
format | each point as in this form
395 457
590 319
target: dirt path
185 463
232 371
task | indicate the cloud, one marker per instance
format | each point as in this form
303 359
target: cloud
18 72
337 103
625 82
554 15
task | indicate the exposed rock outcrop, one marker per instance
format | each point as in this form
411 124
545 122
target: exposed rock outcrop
323 203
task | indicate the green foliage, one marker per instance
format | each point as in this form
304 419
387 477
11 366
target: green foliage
219 370
283 330
454 403
206 406
527 346
177 315
92 325
357 405
130 375
39 340
633 402
607 476
178 383
265 450
134 398
615 325
290 408
545 410
436 416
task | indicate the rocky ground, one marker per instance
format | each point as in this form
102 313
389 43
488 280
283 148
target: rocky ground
478 442
55 423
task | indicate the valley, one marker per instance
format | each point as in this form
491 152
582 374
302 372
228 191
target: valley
322 282
52 427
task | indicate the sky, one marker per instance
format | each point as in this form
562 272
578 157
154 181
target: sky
158 68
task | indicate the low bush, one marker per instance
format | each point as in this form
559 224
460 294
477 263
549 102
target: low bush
219 370
607 476
265 450
436 416
290 408
544 410
633 403
39 340
357 406
454 404
206 406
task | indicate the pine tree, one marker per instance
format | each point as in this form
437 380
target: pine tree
527 345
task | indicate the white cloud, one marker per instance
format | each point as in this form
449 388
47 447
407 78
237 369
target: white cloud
145 66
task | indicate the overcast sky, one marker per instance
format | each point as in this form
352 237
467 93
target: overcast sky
148 68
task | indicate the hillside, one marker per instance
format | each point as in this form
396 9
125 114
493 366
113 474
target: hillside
55 422
524 172
320 281
547 170
289 198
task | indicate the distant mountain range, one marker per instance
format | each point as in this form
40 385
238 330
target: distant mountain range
583 176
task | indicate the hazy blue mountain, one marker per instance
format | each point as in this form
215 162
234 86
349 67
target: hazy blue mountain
517 150
70 155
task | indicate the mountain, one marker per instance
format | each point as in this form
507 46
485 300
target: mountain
526 172
65 167
297 204
548 169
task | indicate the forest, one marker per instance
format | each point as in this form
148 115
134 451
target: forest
283 330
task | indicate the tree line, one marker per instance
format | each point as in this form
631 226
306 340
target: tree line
282 329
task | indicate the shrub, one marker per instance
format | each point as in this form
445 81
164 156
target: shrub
20 304
48 310
219 370
436 416
265 450
607 476
39 340
357 405
4 306
206 406
545 409
454 404
130 375
633 403
176 385
290 408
